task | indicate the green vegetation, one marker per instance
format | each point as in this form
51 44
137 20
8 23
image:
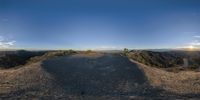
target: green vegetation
168 59
88 51
60 53
51 54
156 59
15 58
11 59
194 63
126 51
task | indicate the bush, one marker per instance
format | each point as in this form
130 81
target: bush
126 51
89 51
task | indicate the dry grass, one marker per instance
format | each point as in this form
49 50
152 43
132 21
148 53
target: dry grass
11 79
90 55
29 81
184 82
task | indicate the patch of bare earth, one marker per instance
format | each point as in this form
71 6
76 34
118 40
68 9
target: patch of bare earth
184 82
30 81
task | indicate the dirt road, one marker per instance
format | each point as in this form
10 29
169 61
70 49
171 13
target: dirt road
82 77
108 75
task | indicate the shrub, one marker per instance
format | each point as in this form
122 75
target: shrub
126 51
89 51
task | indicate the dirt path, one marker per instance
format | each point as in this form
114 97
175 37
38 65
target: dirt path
81 77
107 75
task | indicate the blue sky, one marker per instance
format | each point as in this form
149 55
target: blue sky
99 24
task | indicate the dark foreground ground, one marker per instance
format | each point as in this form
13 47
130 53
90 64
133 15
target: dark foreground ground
110 75
82 76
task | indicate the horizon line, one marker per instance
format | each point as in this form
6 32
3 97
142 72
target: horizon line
84 49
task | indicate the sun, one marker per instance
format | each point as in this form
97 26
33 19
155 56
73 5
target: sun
191 47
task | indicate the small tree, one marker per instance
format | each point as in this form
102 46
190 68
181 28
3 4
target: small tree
89 51
126 51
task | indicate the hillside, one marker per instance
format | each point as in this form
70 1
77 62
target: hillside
167 59
9 59
159 68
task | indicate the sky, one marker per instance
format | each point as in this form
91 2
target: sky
99 24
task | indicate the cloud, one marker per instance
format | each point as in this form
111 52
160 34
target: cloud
196 36
195 43
4 43
10 43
